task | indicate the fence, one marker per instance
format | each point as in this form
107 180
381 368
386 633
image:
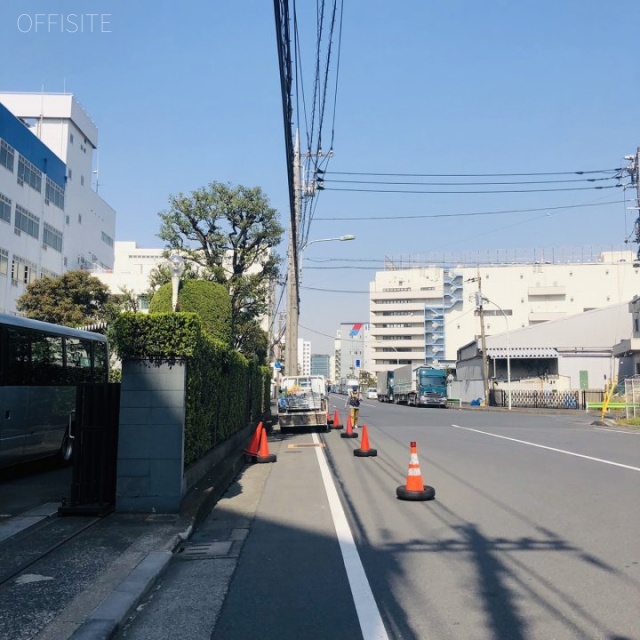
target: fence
547 399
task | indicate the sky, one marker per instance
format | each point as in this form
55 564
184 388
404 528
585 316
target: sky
188 93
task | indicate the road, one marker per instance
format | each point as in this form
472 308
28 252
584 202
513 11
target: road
533 535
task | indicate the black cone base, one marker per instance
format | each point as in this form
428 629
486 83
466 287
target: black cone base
429 493
270 458
365 453
346 434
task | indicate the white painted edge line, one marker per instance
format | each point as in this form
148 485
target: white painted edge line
541 446
369 616
629 433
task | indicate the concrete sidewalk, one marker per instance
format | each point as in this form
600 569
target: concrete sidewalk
140 548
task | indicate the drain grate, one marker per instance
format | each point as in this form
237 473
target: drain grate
206 550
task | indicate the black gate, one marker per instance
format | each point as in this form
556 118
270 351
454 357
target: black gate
95 450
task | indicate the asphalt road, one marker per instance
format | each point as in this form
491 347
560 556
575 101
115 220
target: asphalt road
533 535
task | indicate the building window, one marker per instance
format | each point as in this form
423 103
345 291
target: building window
6 155
4 262
70 138
52 237
66 219
27 222
80 218
107 239
54 194
82 181
635 325
23 271
5 208
29 174
69 174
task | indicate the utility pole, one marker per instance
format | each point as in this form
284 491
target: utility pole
483 339
293 307
634 172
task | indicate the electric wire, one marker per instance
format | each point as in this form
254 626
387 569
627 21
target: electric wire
369 218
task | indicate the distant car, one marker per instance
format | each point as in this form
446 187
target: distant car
372 393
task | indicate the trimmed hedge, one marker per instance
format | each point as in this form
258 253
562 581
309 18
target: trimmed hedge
225 391
209 300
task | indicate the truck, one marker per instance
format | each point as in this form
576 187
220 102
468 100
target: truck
347 384
421 386
303 403
385 386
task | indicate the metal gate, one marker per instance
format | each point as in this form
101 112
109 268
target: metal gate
95 454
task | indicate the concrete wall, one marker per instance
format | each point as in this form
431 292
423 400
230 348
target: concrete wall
151 441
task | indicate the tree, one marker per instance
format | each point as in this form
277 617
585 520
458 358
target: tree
74 299
229 233
208 299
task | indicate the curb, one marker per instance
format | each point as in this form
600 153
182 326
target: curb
106 618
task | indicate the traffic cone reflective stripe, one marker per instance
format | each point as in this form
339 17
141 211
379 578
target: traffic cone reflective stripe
414 488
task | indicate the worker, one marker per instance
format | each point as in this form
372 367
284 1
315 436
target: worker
353 402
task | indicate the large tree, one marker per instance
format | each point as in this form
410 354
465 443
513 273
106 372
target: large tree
74 299
230 234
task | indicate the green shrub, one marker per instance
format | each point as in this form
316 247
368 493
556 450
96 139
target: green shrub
225 392
209 300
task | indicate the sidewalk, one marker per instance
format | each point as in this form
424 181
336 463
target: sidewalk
140 548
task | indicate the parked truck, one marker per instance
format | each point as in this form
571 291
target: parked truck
420 386
303 403
385 386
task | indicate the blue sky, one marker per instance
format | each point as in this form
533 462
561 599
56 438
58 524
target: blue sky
186 93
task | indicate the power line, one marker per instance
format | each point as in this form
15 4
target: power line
473 175
474 213
466 184
491 191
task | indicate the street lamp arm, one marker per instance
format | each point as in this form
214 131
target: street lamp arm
338 239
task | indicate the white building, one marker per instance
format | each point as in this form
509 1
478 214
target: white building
55 221
132 267
351 350
304 357
425 314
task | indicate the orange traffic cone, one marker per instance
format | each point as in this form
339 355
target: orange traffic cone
414 489
349 432
263 453
336 421
254 443
365 450
329 418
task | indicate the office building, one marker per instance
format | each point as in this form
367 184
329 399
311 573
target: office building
52 219
425 314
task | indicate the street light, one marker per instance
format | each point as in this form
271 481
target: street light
293 310
508 349
176 267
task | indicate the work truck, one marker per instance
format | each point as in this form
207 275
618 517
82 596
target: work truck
303 403
420 386
384 381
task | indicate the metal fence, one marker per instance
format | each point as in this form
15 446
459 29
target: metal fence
632 397
547 399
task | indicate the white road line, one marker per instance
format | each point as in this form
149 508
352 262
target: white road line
541 446
369 616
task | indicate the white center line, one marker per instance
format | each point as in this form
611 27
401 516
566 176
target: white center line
369 616
541 446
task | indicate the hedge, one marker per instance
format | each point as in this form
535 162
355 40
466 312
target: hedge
225 391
